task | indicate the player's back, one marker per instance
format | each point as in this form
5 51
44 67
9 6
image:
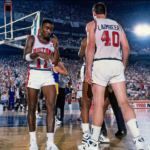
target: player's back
107 39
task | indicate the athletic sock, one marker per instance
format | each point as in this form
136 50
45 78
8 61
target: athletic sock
32 135
95 132
50 138
133 126
85 127
36 112
70 108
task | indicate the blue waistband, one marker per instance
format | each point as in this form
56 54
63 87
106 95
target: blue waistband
107 59
50 69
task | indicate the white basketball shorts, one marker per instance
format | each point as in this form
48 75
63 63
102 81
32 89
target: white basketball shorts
38 78
82 73
79 94
107 71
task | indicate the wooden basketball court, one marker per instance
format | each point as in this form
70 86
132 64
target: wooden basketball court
14 133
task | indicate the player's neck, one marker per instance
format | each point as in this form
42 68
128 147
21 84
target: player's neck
100 16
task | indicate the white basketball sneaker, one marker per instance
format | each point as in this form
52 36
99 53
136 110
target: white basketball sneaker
92 145
103 139
139 143
51 146
86 137
33 145
38 116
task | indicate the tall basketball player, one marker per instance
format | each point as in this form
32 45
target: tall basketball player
38 51
103 65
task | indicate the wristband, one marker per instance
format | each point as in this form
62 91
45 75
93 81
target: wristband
28 58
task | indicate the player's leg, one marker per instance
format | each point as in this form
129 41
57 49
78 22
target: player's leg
122 131
49 92
128 113
32 102
98 115
79 101
70 106
37 113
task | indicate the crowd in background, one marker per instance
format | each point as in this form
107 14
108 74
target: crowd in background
14 69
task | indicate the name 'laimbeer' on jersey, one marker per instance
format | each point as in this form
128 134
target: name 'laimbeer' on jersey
107 39
39 46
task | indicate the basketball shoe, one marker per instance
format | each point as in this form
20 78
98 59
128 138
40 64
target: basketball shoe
33 145
51 146
139 143
91 145
103 139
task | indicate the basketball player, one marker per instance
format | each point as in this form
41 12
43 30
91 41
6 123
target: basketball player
38 51
87 100
12 96
79 92
103 65
60 69
69 96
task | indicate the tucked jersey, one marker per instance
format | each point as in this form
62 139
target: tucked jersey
107 39
79 85
39 46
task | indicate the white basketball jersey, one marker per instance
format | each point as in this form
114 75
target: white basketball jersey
79 85
38 46
107 39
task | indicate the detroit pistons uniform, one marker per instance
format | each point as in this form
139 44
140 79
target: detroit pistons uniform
40 72
79 88
82 71
107 65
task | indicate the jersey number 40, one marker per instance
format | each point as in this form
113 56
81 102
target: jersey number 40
105 37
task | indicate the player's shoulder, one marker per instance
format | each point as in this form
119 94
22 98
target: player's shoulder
91 23
30 38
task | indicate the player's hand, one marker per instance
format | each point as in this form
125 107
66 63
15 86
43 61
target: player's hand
88 77
54 40
60 63
45 56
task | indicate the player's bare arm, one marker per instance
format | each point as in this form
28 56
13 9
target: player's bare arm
56 53
81 52
125 48
61 71
90 50
28 50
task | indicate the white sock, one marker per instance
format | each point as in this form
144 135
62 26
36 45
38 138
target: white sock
70 108
85 127
50 138
95 132
32 135
36 112
133 126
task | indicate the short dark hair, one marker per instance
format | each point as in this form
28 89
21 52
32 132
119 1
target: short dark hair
99 8
47 21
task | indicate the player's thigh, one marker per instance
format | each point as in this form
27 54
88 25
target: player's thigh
119 89
32 96
87 91
49 92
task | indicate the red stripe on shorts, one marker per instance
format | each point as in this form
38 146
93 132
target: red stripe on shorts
28 77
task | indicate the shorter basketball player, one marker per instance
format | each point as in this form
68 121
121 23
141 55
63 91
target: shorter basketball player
60 69
79 93
69 96
38 51
12 96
